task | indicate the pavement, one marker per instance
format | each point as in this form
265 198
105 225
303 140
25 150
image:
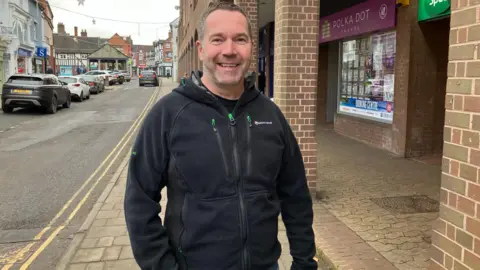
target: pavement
377 210
54 168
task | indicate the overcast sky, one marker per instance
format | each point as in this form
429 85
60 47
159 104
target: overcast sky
154 11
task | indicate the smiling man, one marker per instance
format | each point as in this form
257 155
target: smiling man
229 161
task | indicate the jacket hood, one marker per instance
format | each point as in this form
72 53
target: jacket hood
194 89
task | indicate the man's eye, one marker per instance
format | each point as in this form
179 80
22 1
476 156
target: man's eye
216 40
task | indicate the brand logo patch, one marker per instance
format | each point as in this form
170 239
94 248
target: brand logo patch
263 123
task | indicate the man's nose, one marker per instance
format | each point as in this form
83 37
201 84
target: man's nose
229 48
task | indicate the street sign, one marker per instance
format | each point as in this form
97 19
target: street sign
41 52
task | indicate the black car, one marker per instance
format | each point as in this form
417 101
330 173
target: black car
148 77
37 90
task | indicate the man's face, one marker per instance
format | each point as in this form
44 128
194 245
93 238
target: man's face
226 47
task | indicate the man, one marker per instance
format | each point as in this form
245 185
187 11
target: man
229 161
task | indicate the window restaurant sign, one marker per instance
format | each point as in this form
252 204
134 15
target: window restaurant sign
366 17
433 9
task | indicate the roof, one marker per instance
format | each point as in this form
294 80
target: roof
68 44
107 51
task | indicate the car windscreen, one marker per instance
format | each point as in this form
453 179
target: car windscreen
25 80
68 79
149 73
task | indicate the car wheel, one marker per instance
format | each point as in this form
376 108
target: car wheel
67 104
52 109
88 97
128 80
140 85
81 97
7 109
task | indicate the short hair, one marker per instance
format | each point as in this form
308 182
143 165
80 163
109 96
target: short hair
221 6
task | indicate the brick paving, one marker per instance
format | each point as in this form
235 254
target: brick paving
353 231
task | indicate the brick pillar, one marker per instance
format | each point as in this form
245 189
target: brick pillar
296 48
251 8
456 234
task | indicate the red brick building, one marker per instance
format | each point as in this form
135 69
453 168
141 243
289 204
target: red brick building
395 75
124 44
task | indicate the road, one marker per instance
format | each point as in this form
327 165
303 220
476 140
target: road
46 159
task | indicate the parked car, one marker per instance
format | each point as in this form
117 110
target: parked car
148 77
107 75
95 83
35 90
78 87
127 75
120 77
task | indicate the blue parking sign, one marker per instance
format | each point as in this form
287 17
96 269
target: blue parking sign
41 52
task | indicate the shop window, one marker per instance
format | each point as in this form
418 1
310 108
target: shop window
367 76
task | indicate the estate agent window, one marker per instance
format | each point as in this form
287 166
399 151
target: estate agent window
367 75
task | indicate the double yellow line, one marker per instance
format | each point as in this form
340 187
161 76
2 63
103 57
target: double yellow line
120 146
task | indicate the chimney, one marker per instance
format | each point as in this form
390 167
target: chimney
75 31
84 33
61 28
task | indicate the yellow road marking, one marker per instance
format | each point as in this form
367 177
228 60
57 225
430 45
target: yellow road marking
23 251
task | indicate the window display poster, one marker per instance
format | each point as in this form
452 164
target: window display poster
370 84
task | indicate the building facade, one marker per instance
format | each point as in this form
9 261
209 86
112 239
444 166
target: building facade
401 76
48 33
21 49
174 31
123 44
6 37
164 56
72 51
40 54
140 57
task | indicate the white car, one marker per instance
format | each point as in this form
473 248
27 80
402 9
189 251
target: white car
78 87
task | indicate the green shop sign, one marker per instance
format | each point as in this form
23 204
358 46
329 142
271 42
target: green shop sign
433 9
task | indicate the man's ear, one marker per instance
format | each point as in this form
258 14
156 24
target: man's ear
199 45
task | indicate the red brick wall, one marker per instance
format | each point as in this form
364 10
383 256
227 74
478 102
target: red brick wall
456 235
251 8
296 68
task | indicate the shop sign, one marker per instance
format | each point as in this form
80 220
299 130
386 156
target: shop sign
24 53
433 9
66 71
366 17
41 52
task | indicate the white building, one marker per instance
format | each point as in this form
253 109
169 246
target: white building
158 48
174 30
17 58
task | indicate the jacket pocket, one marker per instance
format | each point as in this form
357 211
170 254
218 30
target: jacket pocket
180 251
211 239
263 217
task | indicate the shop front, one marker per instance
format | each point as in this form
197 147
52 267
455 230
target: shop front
24 63
366 38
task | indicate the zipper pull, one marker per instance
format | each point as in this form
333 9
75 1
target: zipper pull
213 125
249 121
232 120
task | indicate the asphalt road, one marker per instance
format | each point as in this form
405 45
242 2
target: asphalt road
45 159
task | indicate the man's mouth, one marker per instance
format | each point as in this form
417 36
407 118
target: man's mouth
227 65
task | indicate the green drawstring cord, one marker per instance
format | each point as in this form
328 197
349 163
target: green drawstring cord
249 121
213 125
232 120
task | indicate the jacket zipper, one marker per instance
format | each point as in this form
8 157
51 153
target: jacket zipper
222 150
243 224
249 149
